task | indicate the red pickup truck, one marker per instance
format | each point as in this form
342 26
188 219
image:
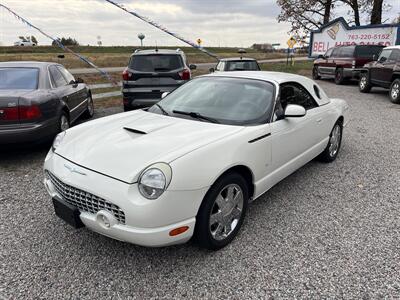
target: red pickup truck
345 62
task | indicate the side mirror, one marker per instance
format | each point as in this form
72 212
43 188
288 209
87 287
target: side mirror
192 67
374 57
295 111
321 56
212 70
382 59
163 95
79 80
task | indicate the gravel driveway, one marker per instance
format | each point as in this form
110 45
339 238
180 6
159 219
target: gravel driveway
328 230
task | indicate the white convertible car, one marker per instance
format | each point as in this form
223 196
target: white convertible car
189 165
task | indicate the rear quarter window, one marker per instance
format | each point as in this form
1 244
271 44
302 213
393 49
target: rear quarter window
156 62
368 51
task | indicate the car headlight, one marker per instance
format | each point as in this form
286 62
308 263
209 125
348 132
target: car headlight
57 141
154 180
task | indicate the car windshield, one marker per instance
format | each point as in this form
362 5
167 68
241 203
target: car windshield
19 78
233 101
156 63
241 65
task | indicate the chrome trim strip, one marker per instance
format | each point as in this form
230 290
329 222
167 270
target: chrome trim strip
83 102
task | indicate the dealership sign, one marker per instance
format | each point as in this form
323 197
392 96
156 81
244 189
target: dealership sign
339 33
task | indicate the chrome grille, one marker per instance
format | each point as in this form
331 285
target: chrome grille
85 201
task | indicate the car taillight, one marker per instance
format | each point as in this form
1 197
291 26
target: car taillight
29 112
126 75
9 114
185 74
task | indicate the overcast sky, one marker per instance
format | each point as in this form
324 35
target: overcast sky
216 22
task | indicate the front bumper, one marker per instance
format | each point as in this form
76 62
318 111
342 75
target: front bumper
28 133
147 222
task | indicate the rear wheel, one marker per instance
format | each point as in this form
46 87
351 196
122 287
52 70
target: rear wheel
89 113
395 91
315 73
335 141
339 79
222 212
364 84
63 123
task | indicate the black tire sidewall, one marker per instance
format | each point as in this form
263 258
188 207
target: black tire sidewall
315 73
202 230
339 81
367 86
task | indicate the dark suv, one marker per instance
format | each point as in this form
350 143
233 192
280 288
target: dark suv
385 72
151 73
344 62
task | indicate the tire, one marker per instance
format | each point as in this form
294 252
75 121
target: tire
63 123
89 113
363 84
335 141
339 79
227 215
315 73
394 92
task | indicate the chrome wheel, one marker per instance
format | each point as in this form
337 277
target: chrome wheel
395 91
64 123
226 212
334 142
363 82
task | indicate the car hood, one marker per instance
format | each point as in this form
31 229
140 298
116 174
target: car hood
121 146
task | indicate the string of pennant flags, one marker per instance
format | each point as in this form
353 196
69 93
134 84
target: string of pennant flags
58 43
153 23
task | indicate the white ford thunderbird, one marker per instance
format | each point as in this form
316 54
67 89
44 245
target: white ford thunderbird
189 165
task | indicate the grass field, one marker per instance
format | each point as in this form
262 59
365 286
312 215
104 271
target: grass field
114 56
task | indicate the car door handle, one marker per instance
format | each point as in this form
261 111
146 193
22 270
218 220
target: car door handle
319 120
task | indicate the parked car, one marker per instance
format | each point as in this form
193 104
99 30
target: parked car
236 64
39 100
191 163
150 73
25 43
344 62
385 72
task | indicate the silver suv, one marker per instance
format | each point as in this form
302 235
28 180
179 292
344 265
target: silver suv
151 73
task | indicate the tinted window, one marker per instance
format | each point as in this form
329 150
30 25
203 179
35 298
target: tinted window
19 78
57 78
395 55
293 93
368 51
346 52
241 65
317 92
329 53
335 52
67 75
156 63
384 56
234 101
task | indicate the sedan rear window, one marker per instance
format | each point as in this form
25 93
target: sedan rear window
156 63
241 65
19 78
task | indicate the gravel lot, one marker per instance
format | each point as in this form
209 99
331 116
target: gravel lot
327 231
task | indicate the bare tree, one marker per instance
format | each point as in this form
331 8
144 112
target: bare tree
376 13
305 15
355 6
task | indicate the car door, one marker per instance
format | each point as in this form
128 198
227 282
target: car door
294 138
62 89
377 70
331 62
323 63
78 91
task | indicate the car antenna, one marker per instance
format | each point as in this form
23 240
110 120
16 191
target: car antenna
241 52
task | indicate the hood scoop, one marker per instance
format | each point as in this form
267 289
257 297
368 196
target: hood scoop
135 130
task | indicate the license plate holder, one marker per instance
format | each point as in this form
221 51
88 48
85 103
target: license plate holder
68 213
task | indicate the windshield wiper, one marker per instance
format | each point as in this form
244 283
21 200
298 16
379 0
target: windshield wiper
162 109
196 115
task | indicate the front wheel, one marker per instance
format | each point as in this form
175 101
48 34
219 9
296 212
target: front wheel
335 141
315 73
222 212
364 84
63 123
395 91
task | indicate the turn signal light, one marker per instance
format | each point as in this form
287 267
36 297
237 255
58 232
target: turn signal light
185 74
178 230
126 75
